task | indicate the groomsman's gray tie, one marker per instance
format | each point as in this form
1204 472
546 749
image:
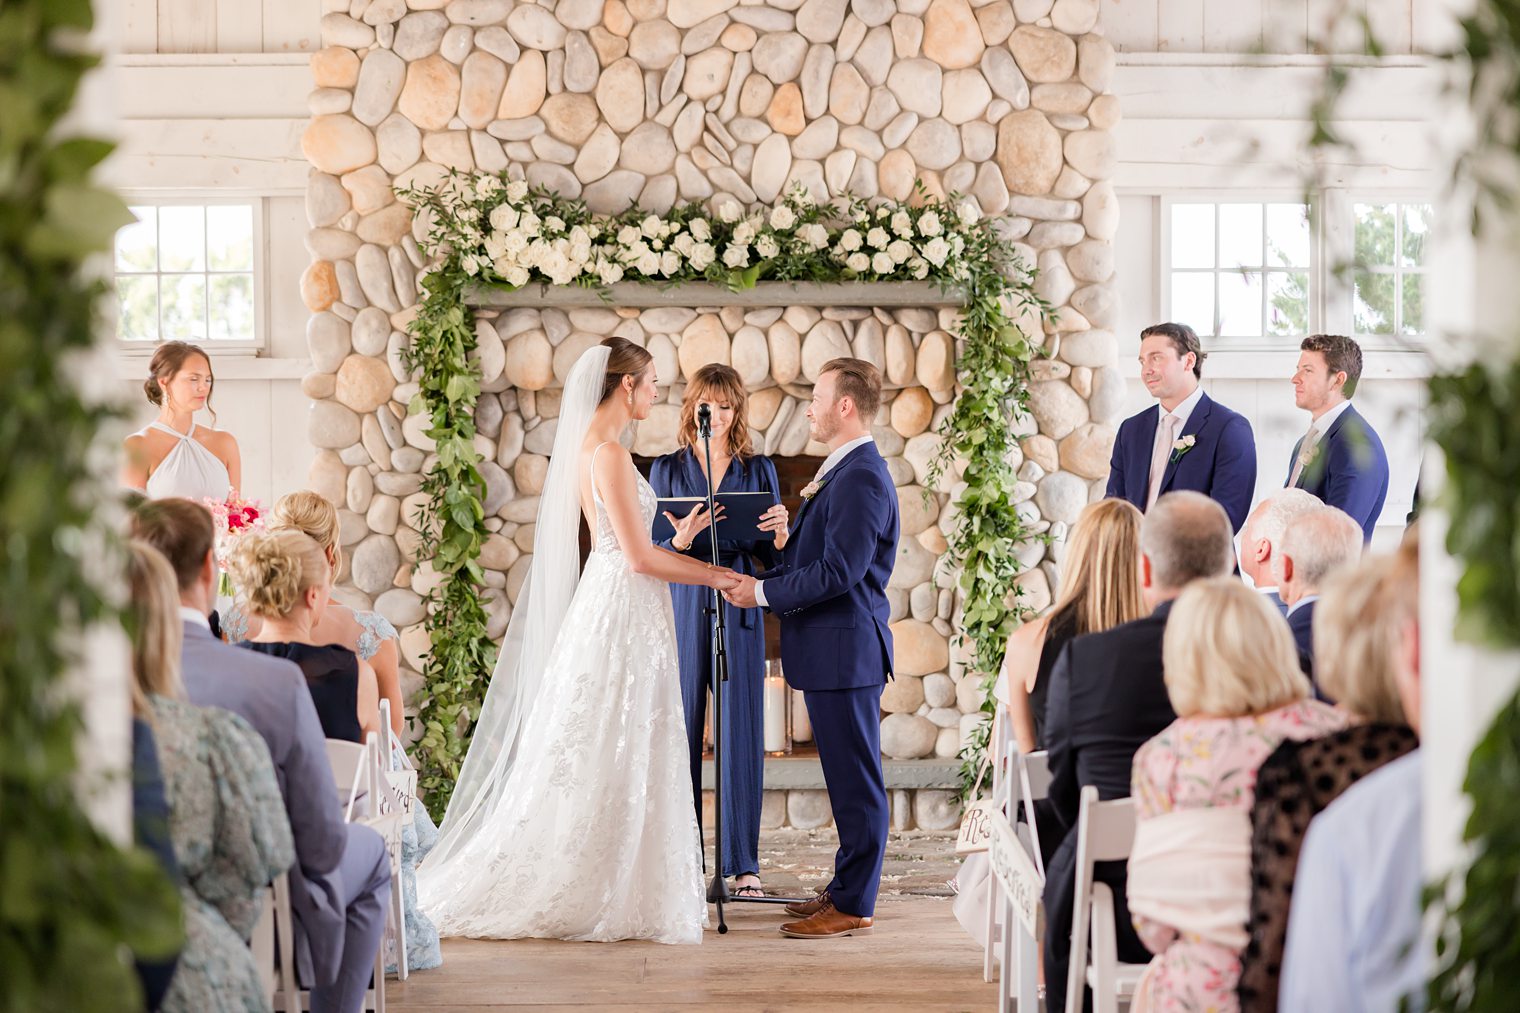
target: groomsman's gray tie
1305 449
1160 454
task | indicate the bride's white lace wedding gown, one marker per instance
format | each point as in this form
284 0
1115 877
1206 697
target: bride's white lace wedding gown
595 835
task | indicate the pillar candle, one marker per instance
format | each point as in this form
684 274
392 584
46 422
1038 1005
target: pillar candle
802 725
775 714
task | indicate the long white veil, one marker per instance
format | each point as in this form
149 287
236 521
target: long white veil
534 626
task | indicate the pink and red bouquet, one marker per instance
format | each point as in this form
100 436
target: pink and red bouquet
234 518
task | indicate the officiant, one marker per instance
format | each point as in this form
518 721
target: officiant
738 469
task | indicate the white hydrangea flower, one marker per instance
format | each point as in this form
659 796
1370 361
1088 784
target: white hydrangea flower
850 241
700 230
767 246
858 262
488 186
730 212
782 217
902 224
516 190
929 224
899 250
702 256
882 263
736 256
936 250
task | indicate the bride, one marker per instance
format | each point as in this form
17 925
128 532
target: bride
573 816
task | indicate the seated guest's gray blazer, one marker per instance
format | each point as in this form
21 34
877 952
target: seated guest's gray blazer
270 693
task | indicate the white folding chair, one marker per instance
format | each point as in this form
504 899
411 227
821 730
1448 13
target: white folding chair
1034 785
403 785
1105 833
367 799
1001 743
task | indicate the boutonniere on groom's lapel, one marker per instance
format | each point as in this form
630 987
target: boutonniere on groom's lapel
811 489
1182 446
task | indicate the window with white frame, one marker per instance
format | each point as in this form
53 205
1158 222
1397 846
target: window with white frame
1389 268
1240 269
189 270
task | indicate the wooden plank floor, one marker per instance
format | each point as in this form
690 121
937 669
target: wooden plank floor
918 958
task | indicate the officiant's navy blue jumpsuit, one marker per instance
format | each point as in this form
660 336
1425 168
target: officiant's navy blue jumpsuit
679 474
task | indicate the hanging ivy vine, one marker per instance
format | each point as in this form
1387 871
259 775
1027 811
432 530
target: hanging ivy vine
73 905
490 231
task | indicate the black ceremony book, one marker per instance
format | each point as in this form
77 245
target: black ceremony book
740 521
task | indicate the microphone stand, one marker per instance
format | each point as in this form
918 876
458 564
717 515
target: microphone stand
717 890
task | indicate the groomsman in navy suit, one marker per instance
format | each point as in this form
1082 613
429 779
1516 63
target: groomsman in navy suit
1340 459
830 593
1189 440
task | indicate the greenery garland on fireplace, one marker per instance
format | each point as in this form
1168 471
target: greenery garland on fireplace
486 230
72 902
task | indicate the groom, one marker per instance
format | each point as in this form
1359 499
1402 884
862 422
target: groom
830 593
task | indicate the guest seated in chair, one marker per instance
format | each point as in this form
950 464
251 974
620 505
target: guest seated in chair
1319 543
340 884
1233 678
226 819
1100 588
286 581
372 637
1353 927
1261 539
1107 697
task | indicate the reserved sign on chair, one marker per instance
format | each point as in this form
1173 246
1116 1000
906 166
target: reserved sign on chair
1015 870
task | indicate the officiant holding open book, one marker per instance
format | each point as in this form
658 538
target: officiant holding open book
748 482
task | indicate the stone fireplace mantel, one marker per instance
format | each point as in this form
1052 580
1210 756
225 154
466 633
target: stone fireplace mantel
647 295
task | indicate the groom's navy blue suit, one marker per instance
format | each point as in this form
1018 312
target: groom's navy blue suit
830 593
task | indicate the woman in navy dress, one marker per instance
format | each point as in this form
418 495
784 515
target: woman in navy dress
683 473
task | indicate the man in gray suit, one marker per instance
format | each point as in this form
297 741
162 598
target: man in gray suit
340 884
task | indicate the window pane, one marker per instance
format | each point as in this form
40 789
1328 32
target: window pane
1193 301
1240 294
1413 320
1375 294
1239 235
1374 235
229 237
1287 303
1193 235
182 240
1416 229
1288 235
137 244
137 308
184 314
232 307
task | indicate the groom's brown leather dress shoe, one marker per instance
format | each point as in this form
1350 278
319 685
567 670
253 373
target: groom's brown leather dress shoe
808 908
828 923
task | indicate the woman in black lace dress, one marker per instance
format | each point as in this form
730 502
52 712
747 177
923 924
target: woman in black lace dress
1356 627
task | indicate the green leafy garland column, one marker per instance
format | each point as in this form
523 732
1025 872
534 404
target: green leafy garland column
71 901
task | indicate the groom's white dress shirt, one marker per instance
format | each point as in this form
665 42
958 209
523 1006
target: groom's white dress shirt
823 469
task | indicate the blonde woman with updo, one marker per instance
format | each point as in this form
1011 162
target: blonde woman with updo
286 582
368 634
372 637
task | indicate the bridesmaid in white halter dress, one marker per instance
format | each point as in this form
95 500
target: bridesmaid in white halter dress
173 456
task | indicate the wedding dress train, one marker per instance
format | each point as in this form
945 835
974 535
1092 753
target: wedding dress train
591 833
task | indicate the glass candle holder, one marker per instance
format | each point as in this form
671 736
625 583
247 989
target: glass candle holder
802 724
778 700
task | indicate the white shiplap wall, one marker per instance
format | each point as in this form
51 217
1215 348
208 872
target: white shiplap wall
1272 26
219 26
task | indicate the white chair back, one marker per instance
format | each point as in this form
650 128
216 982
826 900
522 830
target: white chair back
1034 784
349 774
1105 833
1003 748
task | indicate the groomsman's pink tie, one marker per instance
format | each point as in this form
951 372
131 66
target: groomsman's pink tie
1159 455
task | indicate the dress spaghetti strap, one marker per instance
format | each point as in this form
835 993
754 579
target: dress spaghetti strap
595 498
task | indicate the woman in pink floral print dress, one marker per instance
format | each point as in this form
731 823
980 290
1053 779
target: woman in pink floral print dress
1233 678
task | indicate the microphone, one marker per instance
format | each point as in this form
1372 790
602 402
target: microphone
704 421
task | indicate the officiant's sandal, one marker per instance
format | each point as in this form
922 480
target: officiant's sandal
828 923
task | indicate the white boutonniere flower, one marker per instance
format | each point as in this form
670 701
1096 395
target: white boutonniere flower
1182 446
811 489
1307 455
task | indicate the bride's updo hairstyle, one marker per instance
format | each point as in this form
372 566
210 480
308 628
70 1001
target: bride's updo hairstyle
314 517
167 361
624 358
273 569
